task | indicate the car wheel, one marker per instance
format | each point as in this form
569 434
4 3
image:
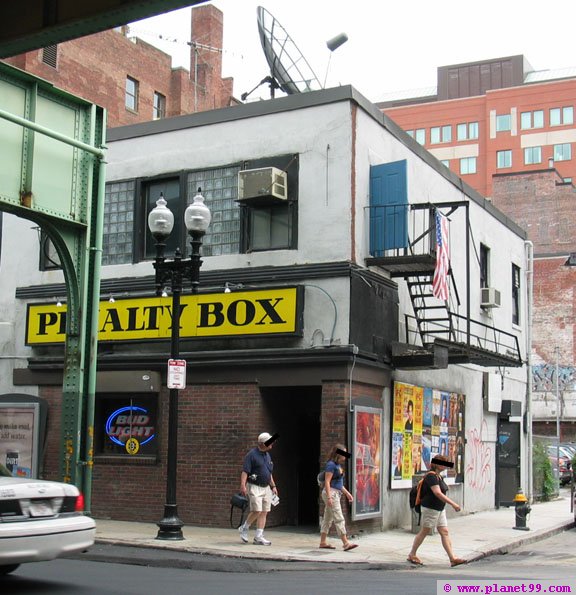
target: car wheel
8 568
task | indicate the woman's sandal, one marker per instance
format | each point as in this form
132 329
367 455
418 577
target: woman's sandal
457 562
415 560
350 546
326 546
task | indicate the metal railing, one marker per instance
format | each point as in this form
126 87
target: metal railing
481 336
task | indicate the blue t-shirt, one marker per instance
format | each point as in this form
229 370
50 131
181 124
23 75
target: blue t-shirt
337 481
258 466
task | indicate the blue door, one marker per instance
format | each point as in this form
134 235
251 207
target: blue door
388 207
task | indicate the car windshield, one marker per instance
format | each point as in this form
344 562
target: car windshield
4 472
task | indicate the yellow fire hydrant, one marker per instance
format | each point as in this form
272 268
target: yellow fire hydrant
522 509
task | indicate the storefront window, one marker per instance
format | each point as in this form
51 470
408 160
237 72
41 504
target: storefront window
126 425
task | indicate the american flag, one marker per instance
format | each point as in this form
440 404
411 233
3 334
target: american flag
440 280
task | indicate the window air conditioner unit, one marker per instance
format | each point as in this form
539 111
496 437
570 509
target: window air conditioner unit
489 297
262 185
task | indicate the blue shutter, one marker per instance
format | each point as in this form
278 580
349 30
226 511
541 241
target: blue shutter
388 207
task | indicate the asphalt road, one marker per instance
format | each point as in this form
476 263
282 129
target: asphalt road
153 572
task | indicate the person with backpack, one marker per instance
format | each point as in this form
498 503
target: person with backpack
432 500
331 495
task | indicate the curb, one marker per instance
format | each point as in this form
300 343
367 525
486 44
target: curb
534 537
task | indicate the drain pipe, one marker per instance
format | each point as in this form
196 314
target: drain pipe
530 295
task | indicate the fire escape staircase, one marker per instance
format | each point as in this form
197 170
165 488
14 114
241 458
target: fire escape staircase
436 335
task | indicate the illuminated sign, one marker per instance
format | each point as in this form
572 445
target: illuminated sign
261 312
130 427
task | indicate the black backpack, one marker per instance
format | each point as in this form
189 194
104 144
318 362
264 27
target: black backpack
415 496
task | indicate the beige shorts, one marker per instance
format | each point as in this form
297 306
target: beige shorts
432 519
260 498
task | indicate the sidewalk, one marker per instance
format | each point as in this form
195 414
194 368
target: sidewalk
474 536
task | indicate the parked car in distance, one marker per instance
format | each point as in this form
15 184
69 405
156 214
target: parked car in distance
563 464
40 520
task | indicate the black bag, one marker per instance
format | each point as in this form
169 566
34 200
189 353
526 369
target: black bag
241 502
415 497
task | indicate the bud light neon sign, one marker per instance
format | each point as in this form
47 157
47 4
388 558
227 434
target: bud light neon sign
130 422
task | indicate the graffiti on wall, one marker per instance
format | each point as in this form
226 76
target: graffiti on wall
544 378
479 457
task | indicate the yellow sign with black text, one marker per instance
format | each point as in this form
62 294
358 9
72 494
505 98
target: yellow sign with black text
256 312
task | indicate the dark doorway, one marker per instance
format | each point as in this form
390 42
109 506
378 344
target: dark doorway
508 467
294 412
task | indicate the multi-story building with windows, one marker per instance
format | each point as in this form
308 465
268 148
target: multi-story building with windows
509 131
315 316
132 79
492 117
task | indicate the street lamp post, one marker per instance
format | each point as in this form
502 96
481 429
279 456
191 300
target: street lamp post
172 274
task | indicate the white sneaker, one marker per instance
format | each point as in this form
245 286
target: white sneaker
243 530
261 541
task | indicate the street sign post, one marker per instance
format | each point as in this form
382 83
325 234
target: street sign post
177 373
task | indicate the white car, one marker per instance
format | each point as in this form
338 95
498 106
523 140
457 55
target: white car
40 520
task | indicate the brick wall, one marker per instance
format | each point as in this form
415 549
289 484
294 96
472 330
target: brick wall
218 424
95 67
541 204
335 415
545 206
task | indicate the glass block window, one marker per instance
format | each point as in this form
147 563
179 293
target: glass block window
220 189
118 223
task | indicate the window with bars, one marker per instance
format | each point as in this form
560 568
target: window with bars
117 241
50 55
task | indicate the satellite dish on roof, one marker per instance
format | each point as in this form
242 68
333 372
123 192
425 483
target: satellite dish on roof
289 69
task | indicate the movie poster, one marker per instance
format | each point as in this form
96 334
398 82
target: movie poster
367 462
425 422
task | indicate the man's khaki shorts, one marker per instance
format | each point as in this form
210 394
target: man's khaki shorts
432 519
260 498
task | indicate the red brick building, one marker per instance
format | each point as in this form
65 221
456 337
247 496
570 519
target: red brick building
133 80
491 117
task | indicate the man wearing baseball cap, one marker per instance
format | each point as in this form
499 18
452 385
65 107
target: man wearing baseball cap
257 481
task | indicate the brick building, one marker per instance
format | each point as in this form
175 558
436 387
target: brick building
491 117
343 344
132 79
543 204
509 131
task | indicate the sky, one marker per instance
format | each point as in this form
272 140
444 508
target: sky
392 46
